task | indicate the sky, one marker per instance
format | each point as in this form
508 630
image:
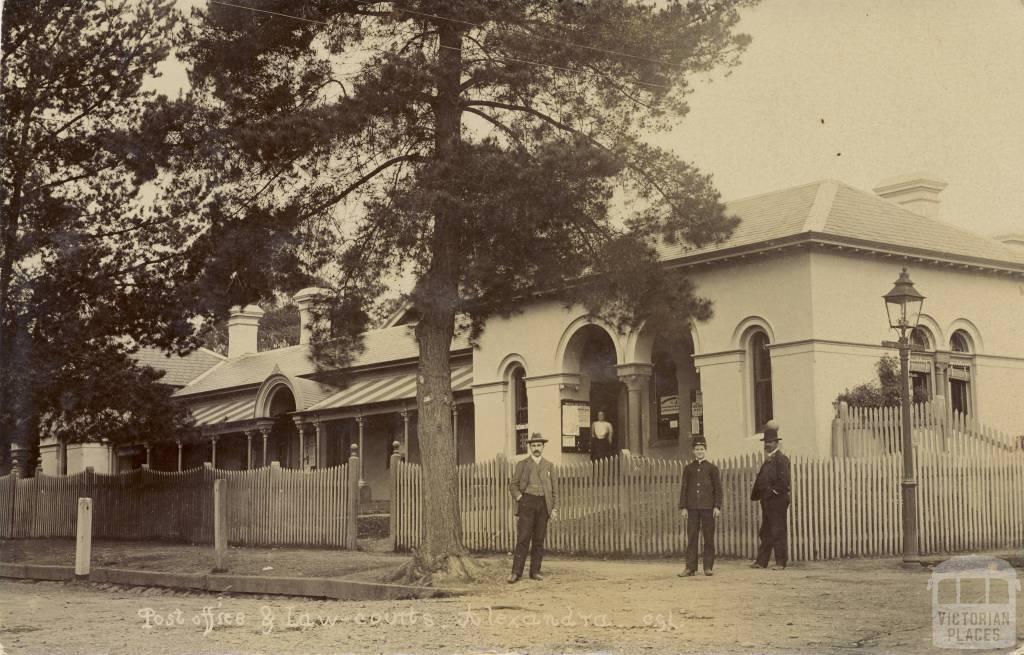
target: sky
865 90
862 91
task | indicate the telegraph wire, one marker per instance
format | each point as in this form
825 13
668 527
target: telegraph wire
481 26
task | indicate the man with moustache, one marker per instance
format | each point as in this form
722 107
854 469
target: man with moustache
534 487
772 488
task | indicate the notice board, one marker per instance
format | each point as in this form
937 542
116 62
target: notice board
575 426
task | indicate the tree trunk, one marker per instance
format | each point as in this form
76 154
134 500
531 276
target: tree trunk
436 297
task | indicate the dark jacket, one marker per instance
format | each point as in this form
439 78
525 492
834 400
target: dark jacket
548 478
772 479
702 486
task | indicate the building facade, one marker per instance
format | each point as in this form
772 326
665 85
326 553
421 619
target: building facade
798 318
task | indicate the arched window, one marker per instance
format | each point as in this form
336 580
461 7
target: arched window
921 363
960 342
520 408
761 373
920 339
960 372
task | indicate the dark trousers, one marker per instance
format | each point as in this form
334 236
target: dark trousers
773 531
700 521
531 528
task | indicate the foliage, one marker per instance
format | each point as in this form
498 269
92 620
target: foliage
85 268
476 148
279 328
883 393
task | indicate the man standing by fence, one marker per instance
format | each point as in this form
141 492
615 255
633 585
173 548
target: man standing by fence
534 486
700 502
772 488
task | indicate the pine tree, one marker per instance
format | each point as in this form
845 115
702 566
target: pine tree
489 151
83 264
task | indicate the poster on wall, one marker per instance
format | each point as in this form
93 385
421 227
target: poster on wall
575 426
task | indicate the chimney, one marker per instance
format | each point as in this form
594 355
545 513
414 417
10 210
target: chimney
306 299
918 192
243 327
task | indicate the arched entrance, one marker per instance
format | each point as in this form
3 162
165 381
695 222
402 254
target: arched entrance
676 404
283 443
592 355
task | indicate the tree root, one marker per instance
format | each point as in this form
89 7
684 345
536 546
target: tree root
424 571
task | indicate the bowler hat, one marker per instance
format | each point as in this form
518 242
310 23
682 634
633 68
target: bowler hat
771 431
536 437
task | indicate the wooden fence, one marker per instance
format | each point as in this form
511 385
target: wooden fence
873 431
842 507
269 506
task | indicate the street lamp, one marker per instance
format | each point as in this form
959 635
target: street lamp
903 304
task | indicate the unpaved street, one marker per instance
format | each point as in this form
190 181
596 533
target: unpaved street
583 607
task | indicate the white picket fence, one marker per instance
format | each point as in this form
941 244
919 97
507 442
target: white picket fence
842 507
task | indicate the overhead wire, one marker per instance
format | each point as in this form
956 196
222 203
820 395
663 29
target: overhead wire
481 26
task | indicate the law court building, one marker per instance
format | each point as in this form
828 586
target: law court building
798 318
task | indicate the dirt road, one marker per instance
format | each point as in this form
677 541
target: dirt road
582 607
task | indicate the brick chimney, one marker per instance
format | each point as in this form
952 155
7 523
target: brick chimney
306 299
243 328
918 192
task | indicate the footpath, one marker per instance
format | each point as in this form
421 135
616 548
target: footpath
584 605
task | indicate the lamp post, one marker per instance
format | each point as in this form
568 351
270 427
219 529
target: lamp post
903 304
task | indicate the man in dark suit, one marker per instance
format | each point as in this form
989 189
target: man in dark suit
700 502
772 488
534 487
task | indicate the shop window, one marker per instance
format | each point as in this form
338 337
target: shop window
520 409
761 371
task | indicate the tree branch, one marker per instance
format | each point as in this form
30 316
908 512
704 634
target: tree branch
572 130
363 180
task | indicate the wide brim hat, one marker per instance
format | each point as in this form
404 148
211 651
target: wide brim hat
536 438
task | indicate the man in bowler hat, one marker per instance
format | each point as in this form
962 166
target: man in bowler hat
534 487
700 502
772 488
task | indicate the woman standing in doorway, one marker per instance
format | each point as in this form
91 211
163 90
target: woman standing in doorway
601 435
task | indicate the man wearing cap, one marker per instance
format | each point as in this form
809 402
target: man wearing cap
772 488
700 502
534 487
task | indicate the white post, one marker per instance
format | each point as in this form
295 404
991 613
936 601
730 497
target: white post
83 544
220 523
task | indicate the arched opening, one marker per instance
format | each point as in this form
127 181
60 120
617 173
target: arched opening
962 345
676 405
591 353
760 377
520 408
283 443
922 363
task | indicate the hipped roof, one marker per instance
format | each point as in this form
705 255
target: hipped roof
832 211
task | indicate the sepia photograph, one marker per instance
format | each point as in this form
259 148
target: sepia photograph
494 327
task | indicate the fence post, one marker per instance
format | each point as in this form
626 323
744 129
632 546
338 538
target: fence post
352 511
839 425
396 457
83 538
220 524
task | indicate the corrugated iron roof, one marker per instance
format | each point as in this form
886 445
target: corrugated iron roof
224 410
380 346
389 387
